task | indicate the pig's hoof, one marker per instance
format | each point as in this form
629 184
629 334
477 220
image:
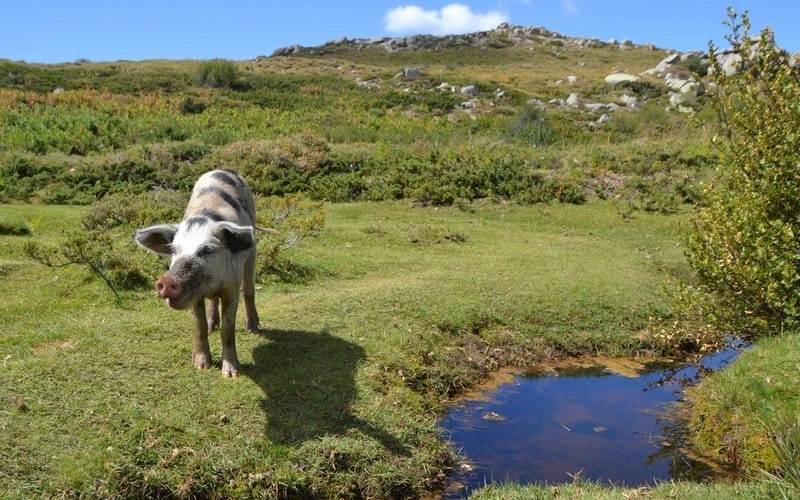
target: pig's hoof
252 326
230 370
202 361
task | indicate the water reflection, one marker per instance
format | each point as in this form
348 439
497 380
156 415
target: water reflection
587 423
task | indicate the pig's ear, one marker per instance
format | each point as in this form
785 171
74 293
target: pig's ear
235 237
157 239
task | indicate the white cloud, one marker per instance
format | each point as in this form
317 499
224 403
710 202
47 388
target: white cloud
453 18
570 6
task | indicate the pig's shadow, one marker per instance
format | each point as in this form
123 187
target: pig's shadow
309 386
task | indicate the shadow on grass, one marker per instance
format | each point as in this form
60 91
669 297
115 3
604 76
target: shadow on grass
309 382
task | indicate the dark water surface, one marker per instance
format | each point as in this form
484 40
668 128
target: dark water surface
588 423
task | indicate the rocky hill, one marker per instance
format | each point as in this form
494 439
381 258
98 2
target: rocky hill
514 36
682 86
505 35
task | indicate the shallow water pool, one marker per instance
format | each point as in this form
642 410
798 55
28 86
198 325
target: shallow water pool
587 423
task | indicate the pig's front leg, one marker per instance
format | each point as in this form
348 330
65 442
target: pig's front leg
213 314
230 361
201 352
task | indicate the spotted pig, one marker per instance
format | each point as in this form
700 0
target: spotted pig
213 254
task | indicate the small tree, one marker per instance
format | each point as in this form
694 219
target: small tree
744 245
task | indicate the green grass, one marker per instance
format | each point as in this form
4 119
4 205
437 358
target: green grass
738 414
339 391
593 491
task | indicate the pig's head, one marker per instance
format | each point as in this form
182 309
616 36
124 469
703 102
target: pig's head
207 258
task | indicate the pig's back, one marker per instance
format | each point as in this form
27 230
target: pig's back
222 195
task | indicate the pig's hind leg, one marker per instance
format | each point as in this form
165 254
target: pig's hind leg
249 292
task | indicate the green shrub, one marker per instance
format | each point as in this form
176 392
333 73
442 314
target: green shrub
16 180
744 245
697 65
295 220
24 175
120 209
439 101
104 245
652 193
14 228
275 166
217 73
531 127
191 105
106 255
289 92
641 88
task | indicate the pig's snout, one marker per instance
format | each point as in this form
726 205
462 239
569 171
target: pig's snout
168 288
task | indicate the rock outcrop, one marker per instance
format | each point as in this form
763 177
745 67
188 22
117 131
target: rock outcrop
681 85
615 78
505 35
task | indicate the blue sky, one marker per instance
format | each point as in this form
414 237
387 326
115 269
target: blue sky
109 30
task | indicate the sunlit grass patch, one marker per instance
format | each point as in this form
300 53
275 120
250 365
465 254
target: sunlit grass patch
742 415
339 391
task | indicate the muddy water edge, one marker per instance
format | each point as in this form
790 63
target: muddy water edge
612 421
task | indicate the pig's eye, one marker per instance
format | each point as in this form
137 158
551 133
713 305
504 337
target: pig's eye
207 250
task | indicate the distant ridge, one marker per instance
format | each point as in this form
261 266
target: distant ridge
505 35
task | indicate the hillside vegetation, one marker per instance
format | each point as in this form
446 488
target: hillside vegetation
343 126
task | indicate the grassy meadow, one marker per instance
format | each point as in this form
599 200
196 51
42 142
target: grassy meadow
341 388
457 239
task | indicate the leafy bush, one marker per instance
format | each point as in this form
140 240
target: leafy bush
62 179
104 245
455 174
87 122
652 193
217 73
287 91
530 126
106 256
697 65
440 101
642 89
275 166
192 105
14 228
294 220
20 178
119 210
744 245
